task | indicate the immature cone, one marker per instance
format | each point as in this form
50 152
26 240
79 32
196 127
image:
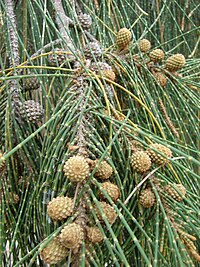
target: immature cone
31 111
56 59
60 208
175 62
147 198
85 21
94 235
161 79
170 191
140 161
76 169
111 189
54 252
144 45
104 170
72 235
157 158
31 83
124 37
92 50
156 55
2 164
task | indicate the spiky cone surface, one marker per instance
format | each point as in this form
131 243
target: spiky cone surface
108 210
94 235
31 111
124 37
72 235
92 50
31 83
161 79
175 62
157 158
54 252
157 55
3 163
170 191
140 161
103 171
59 58
111 189
60 208
76 169
85 20
147 198
144 45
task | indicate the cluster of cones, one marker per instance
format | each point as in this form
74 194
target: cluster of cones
78 169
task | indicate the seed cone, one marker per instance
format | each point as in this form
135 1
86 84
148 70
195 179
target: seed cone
108 211
60 208
170 191
175 62
156 55
94 235
13 198
76 169
85 21
124 37
157 158
111 189
144 45
161 79
104 170
60 58
147 198
31 83
54 252
2 164
72 235
140 161
92 50
135 146
31 111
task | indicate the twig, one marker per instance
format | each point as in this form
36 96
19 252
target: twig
14 58
167 119
63 22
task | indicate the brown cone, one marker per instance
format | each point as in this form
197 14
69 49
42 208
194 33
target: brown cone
147 198
140 161
111 189
170 191
54 252
144 45
60 208
124 37
94 235
76 169
157 158
72 235
109 212
175 62
156 55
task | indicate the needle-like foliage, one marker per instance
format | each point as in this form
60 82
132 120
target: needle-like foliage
87 112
